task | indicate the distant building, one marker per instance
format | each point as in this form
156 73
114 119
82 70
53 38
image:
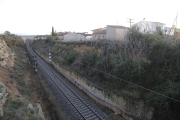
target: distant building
168 31
61 35
148 26
77 36
99 33
111 32
116 32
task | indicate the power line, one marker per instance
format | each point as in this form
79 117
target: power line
135 85
129 82
132 84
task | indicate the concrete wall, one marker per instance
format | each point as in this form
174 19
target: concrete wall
121 34
111 33
116 103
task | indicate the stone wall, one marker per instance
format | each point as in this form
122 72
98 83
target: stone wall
127 109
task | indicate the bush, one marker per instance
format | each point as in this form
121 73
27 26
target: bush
148 60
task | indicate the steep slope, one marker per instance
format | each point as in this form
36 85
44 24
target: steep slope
19 100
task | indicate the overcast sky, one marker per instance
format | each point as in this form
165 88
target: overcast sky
38 16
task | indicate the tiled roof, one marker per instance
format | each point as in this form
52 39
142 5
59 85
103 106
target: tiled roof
100 32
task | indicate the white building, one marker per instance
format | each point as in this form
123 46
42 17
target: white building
111 32
88 37
116 32
150 27
74 36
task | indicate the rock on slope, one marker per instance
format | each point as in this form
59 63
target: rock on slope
6 54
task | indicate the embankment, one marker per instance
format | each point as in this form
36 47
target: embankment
128 109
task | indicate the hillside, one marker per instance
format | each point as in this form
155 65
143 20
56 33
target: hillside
132 68
19 97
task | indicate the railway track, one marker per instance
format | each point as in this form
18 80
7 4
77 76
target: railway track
83 109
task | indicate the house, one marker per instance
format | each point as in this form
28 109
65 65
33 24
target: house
149 26
77 36
61 35
116 32
99 33
74 36
168 31
111 32
85 36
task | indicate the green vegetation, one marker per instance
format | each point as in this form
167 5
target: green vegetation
17 109
149 60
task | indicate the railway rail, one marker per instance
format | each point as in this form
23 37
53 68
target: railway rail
83 109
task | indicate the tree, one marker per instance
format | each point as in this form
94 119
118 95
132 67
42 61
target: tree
7 33
52 31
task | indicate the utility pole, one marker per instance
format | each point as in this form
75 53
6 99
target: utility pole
130 21
174 26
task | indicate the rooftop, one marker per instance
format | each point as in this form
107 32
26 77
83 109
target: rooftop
100 32
117 26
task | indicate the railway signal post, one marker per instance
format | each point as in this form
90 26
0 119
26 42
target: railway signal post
49 55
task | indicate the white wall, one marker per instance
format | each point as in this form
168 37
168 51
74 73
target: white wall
116 33
121 34
72 36
146 26
110 33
